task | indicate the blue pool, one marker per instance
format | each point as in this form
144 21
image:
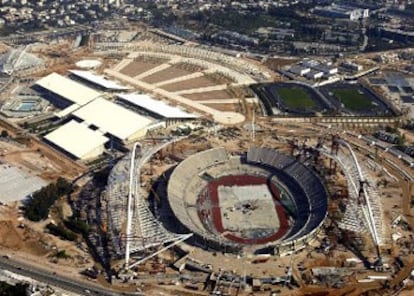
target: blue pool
27 106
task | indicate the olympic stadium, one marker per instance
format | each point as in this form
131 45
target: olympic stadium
251 202
189 198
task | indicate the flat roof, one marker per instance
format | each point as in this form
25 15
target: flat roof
68 89
67 111
112 118
76 138
99 80
158 107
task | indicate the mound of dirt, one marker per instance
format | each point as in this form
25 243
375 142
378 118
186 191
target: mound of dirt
10 238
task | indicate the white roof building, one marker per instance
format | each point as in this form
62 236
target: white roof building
78 140
314 74
157 107
99 80
72 91
299 70
114 119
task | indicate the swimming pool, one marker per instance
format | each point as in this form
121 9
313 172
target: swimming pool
27 106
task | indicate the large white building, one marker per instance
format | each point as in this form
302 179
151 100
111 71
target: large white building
65 92
78 140
98 81
156 108
114 120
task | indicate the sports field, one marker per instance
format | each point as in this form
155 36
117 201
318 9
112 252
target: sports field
353 99
296 98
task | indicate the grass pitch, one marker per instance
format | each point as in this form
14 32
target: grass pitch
353 99
296 98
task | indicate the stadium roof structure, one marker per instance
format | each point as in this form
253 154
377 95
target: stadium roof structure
155 106
18 59
113 119
77 139
68 89
99 80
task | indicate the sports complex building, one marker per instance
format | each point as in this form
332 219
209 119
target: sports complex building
95 111
262 201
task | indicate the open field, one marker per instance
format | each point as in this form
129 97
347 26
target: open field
210 95
167 74
353 99
137 67
223 107
189 84
296 98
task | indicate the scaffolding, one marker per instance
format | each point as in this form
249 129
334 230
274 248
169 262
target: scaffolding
364 203
143 230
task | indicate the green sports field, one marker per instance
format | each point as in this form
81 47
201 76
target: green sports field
296 98
353 99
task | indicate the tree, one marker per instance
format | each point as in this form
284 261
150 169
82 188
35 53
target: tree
4 134
37 207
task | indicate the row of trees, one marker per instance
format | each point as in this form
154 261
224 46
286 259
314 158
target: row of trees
38 205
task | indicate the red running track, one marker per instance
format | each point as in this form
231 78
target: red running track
215 212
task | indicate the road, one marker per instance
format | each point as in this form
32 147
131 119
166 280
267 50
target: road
57 280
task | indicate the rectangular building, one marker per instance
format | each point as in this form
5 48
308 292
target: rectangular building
78 140
156 108
64 92
98 81
299 70
114 120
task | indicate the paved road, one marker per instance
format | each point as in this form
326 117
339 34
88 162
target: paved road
48 277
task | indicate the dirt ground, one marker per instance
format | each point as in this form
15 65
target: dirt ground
36 160
135 68
28 241
189 84
210 95
167 74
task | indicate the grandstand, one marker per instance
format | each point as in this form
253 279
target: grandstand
210 188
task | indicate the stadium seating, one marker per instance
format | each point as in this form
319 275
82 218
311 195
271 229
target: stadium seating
191 176
310 197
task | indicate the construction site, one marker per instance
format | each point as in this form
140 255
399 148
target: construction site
190 183
350 235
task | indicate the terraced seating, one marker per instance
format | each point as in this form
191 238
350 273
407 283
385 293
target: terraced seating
310 198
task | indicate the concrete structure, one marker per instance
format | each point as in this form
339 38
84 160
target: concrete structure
65 92
114 120
19 60
210 193
16 185
78 140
